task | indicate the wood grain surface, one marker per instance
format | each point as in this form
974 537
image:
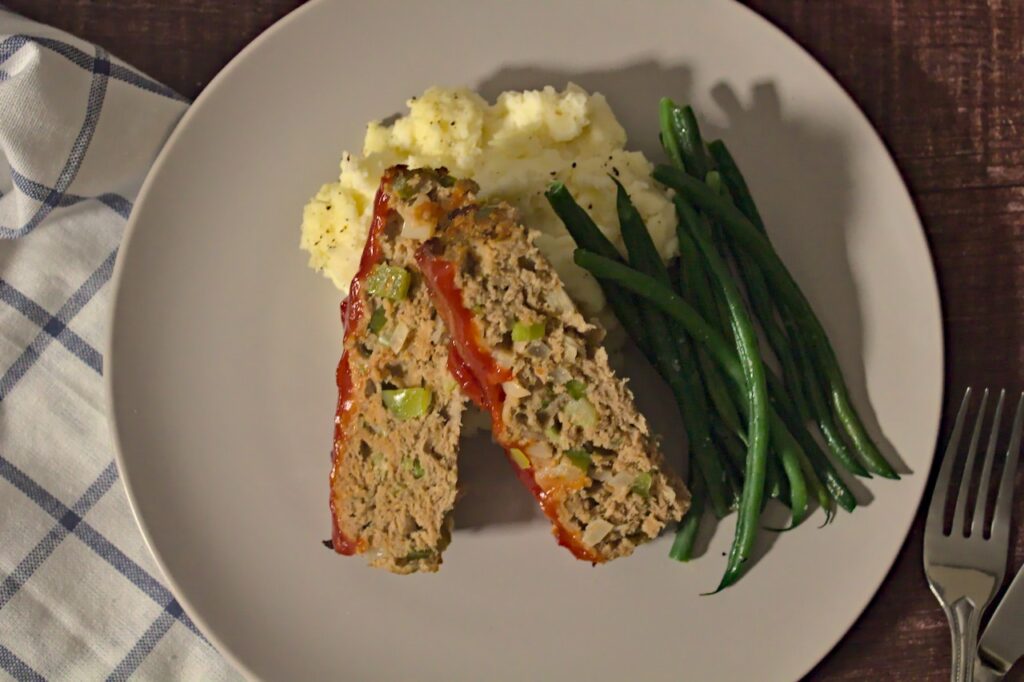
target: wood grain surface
941 80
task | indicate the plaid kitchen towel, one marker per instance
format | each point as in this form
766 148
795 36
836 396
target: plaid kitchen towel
80 596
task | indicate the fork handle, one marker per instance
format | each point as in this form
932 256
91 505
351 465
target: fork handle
964 619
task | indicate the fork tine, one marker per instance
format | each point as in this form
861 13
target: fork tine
965 477
978 522
938 504
1001 518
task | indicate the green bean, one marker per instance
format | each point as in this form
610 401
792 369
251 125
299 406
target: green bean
682 546
668 136
789 458
757 416
736 183
823 417
824 469
694 285
587 235
686 132
775 484
817 490
692 270
819 493
682 140
718 391
775 480
798 373
764 308
672 353
710 301
734 479
730 444
750 239
669 302
813 488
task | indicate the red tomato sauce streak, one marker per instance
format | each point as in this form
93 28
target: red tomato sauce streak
352 310
480 376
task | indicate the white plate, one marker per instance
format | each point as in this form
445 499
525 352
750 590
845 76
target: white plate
224 347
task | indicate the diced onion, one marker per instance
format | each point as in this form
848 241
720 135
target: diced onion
560 301
418 223
564 473
418 230
561 375
514 389
503 357
623 479
439 330
540 451
396 338
570 352
596 531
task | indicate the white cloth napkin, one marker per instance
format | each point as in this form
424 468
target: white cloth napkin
80 596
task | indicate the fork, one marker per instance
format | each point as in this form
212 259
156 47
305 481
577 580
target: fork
964 568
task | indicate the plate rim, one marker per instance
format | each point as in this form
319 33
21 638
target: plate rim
194 110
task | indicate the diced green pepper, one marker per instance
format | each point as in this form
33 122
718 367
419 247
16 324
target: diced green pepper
388 281
402 187
642 484
580 458
581 412
525 331
378 320
552 432
576 389
419 554
520 458
413 466
407 403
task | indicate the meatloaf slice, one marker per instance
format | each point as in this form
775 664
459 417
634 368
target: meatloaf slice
568 424
393 479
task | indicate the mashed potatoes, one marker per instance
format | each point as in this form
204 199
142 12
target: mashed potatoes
513 149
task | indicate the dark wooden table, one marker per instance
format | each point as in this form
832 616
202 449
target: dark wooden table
942 81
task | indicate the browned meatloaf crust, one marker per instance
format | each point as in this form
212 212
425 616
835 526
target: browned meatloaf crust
393 481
